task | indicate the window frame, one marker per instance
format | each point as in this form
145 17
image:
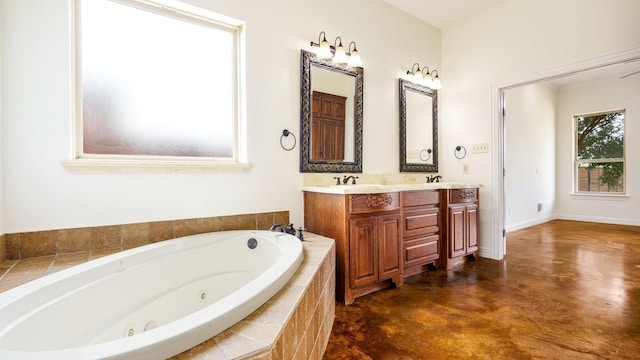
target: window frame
577 161
84 162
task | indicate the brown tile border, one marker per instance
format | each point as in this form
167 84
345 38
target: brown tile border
126 236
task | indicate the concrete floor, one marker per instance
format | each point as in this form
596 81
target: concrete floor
565 290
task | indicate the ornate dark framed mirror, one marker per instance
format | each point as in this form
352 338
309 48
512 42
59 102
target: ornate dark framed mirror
331 103
418 128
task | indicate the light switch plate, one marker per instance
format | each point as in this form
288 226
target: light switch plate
480 148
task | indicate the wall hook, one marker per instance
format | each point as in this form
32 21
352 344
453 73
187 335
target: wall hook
457 152
286 133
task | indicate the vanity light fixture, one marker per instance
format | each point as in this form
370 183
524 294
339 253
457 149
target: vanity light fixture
336 52
428 79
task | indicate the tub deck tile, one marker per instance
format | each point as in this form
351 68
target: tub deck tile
238 345
65 261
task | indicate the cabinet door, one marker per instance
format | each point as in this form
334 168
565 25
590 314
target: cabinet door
472 228
333 140
390 246
363 251
457 230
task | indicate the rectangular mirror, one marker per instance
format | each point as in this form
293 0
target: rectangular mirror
418 128
331 116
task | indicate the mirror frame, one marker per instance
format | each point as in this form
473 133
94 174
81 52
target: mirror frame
309 59
412 167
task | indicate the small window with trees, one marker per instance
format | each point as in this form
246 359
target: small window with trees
599 153
158 82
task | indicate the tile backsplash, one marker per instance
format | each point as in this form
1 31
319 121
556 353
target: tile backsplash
122 237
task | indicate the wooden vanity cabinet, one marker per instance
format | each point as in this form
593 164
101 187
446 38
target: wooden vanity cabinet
367 231
461 226
421 221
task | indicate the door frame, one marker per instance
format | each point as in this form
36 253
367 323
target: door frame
498 235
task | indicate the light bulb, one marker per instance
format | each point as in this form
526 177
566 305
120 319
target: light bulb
436 84
325 50
354 59
340 57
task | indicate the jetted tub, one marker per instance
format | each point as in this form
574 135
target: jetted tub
152 302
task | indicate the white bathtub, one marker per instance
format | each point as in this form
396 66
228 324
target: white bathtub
150 302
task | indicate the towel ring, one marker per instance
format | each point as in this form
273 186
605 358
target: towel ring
428 151
457 151
286 133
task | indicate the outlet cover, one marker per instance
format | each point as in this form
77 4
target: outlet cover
480 148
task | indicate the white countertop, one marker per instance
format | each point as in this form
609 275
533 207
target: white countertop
379 188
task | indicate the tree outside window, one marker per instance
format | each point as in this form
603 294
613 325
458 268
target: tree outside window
600 153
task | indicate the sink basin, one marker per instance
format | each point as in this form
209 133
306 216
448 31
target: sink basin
380 188
360 186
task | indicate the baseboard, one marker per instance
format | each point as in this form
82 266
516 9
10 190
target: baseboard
526 224
599 219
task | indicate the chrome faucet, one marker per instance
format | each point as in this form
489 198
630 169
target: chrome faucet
345 181
278 228
432 178
288 230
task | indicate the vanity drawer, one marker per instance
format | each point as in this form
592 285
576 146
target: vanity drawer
366 203
422 250
465 195
421 198
421 222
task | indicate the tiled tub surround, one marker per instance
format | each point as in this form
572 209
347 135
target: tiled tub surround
294 324
122 237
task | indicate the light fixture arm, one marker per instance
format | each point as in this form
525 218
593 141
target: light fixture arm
337 42
321 37
412 71
349 51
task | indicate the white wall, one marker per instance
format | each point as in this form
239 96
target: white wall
530 155
510 41
40 194
612 95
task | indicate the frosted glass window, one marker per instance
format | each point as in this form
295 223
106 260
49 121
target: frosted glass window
156 82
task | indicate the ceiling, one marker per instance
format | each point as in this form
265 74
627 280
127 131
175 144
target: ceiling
605 73
441 13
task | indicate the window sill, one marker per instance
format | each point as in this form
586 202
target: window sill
600 196
117 166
